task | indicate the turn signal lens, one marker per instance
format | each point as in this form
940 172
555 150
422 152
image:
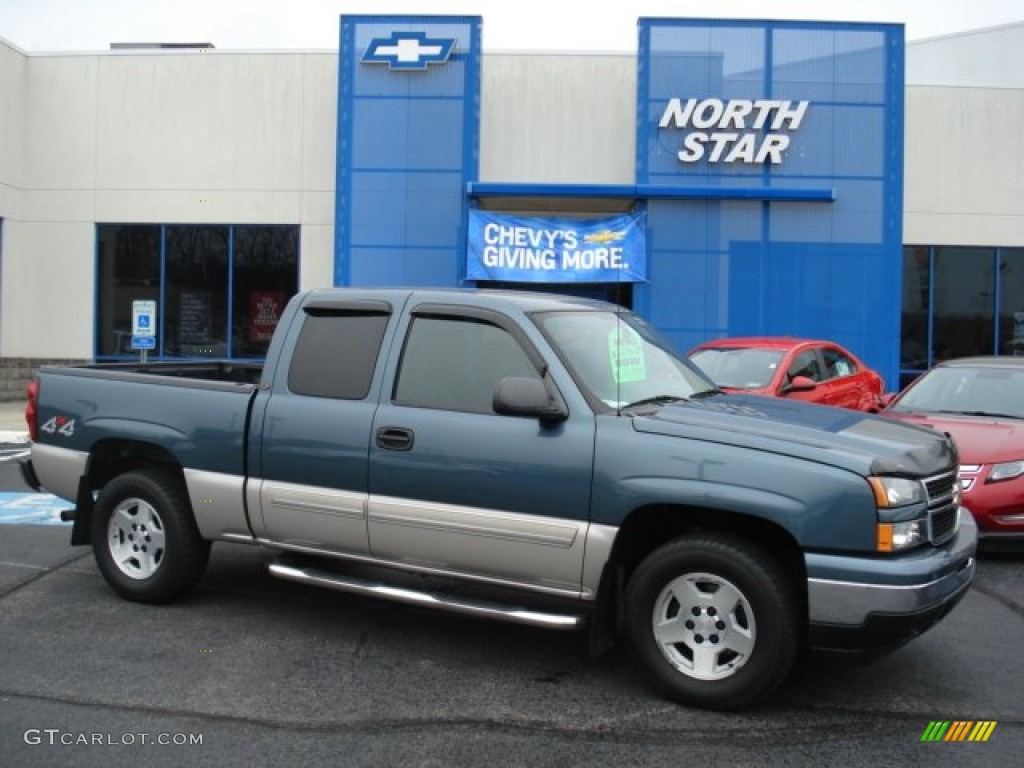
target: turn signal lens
894 537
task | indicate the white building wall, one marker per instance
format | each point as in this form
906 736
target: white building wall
964 167
12 127
12 150
183 137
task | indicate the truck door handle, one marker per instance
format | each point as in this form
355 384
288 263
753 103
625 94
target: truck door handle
395 438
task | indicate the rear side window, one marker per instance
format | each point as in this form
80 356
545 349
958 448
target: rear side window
837 364
336 353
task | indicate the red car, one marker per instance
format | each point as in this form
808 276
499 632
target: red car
812 370
979 401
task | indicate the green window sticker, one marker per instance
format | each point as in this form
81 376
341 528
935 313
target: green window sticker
626 352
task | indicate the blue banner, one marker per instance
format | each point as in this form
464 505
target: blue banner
541 250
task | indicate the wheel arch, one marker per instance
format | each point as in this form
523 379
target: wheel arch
649 527
114 456
109 458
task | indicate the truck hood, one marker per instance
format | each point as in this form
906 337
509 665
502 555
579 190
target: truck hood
853 440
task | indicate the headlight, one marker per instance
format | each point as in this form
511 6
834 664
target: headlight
897 491
1005 471
893 537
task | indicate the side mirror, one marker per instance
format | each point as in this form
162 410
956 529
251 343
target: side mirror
800 384
516 396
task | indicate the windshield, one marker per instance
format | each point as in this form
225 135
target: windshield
619 360
976 391
744 368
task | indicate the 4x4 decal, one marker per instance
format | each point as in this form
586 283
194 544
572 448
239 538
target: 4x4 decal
60 424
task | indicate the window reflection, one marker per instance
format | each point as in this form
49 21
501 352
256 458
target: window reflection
1011 302
128 269
916 307
195 311
265 276
964 321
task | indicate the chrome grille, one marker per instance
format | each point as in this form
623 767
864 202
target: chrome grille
943 510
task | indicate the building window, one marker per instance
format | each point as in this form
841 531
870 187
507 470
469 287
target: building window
964 321
128 269
1011 301
959 302
219 289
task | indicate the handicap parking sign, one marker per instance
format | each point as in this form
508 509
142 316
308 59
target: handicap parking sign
143 317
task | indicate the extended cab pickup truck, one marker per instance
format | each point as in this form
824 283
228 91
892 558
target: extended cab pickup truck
529 457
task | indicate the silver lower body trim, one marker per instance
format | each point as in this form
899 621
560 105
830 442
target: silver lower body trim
217 503
432 600
59 469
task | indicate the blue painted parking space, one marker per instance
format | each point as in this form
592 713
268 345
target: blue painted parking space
32 508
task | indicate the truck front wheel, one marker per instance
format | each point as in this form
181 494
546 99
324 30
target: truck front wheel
713 621
145 539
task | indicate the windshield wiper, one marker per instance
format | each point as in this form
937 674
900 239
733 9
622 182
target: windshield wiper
656 400
985 413
707 393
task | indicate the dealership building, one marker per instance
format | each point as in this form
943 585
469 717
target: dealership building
730 177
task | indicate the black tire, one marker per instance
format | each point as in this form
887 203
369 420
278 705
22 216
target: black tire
730 621
145 539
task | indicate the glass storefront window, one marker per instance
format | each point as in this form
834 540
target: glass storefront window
265 275
916 309
128 268
964 320
958 302
195 295
219 290
1011 301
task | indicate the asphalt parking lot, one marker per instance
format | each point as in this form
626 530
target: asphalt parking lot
250 670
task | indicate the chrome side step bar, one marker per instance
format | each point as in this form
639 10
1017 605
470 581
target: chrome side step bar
433 600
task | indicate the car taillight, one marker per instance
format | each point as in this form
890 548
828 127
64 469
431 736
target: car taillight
32 409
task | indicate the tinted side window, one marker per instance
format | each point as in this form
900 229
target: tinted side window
456 364
335 355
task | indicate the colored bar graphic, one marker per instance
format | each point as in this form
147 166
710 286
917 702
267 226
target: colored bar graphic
959 730
982 730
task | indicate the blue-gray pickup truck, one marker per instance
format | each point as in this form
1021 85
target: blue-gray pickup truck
529 457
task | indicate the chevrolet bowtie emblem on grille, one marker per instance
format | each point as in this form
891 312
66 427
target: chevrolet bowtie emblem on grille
408 50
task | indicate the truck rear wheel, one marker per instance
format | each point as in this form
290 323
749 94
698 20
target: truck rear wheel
713 621
145 539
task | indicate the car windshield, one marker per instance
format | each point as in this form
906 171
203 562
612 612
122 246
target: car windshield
738 368
958 389
620 360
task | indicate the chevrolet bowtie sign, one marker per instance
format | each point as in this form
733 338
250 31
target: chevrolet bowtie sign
408 50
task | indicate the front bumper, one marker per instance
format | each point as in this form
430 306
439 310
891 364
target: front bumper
883 602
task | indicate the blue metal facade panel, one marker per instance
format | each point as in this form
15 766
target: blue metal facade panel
407 147
819 269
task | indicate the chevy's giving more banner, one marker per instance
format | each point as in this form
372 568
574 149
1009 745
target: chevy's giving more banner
545 250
